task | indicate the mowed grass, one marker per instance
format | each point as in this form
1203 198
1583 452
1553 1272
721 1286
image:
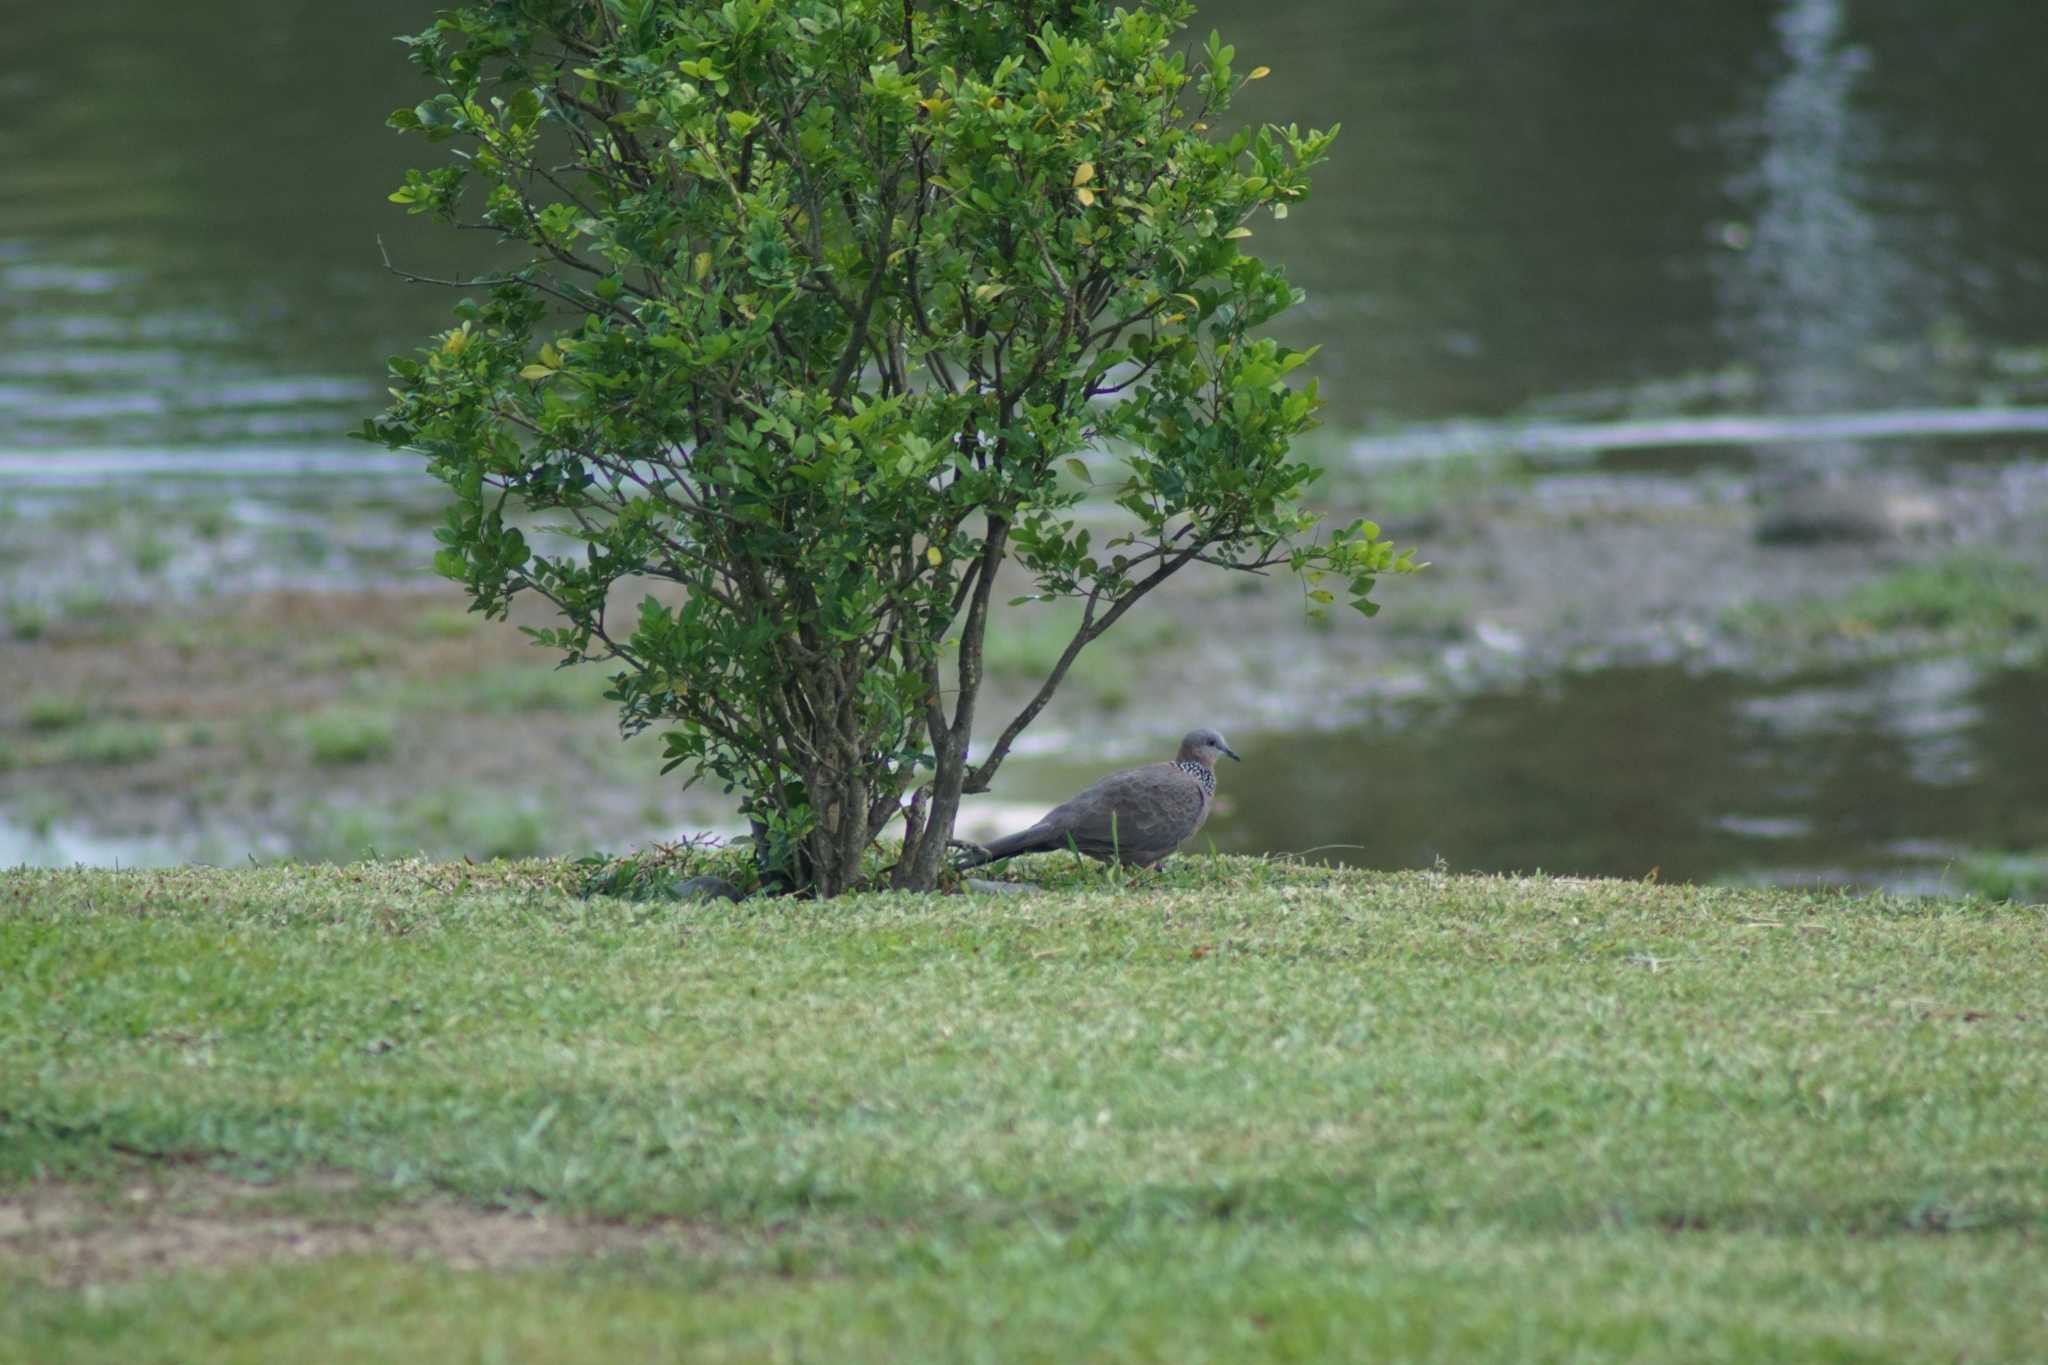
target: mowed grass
1241 1111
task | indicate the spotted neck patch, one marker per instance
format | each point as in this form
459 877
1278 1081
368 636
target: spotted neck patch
1201 774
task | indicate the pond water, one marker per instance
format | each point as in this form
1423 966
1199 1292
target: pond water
1573 210
1891 776
1590 202
1885 777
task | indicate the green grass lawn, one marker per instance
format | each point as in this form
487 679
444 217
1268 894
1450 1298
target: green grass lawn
1242 1111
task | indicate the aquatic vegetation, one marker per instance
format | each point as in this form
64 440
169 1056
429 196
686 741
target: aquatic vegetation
26 620
49 712
149 552
2006 876
446 822
348 734
1969 597
111 743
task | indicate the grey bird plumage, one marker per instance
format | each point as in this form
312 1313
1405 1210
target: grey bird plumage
1135 817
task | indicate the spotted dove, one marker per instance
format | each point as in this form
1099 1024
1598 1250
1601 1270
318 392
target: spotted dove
1135 817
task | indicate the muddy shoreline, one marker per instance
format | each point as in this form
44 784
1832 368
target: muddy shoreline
154 707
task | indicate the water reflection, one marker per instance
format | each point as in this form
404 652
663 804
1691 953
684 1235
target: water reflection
1814 286
187 240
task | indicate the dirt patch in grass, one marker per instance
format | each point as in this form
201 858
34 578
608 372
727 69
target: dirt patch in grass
325 725
71 1235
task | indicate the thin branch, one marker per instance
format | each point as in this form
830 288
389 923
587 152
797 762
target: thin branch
983 773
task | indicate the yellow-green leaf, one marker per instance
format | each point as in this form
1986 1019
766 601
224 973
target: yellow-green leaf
1086 196
700 266
1260 73
933 557
536 372
1084 173
1079 470
1237 232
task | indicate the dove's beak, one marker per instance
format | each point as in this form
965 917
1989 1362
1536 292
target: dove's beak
1232 752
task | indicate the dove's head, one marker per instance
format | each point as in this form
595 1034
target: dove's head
1205 747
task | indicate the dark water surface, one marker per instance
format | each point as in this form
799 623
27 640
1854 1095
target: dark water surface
1885 777
1531 204
1536 203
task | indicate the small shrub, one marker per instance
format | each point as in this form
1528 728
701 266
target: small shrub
349 735
1411 490
114 742
1975 595
303 545
150 554
47 714
348 653
537 689
343 834
213 520
27 620
446 823
821 320
473 824
1439 617
1974 592
98 511
89 607
444 624
491 828
2007 877
38 814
